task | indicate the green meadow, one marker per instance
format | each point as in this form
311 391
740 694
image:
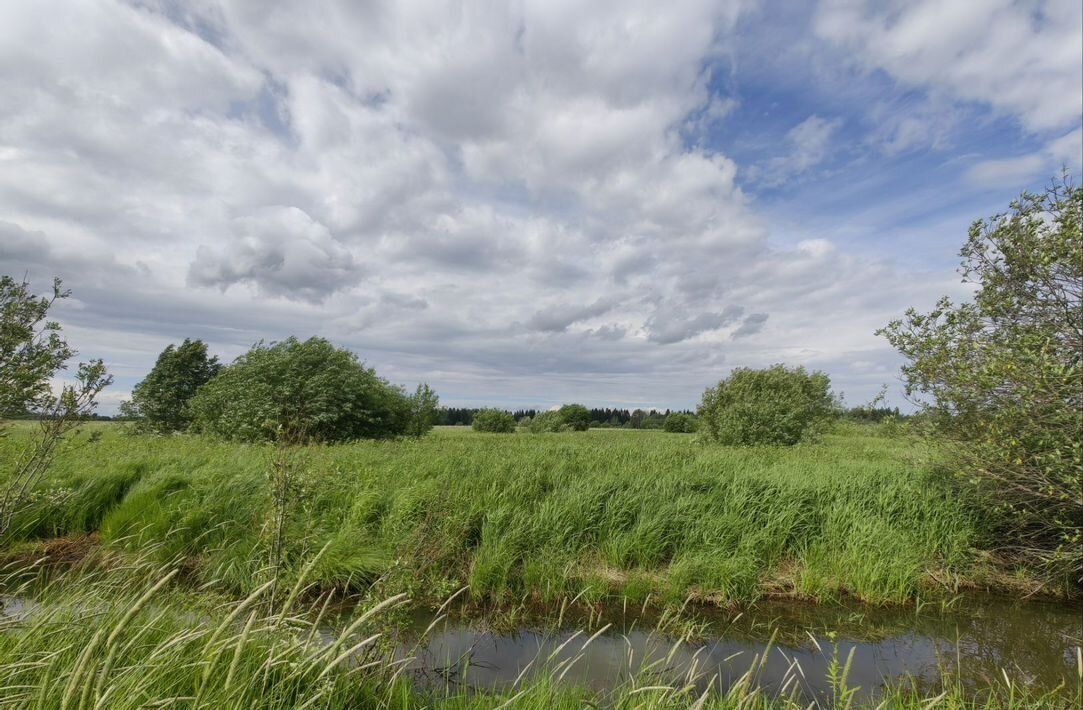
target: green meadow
640 515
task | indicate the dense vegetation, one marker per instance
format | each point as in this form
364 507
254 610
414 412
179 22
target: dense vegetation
1001 377
310 389
494 421
634 513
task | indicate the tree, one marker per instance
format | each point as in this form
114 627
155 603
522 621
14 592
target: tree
495 421
575 417
1000 377
680 423
160 402
31 347
424 410
777 406
32 351
311 388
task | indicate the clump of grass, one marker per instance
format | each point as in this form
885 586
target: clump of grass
131 637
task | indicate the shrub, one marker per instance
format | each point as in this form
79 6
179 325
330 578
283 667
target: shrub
160 402
309 389
575 417
1002 376
777 406
680 423
547 422
494 421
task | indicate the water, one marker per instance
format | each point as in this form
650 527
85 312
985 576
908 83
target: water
976 640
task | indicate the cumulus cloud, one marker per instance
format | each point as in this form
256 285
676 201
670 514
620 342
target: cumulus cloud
283 252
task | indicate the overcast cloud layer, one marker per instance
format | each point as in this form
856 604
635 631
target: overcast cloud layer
522 203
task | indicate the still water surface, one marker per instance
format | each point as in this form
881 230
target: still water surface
976 640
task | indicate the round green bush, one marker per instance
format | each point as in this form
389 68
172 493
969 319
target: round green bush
494 421
308 391
777 406
680 423
575 417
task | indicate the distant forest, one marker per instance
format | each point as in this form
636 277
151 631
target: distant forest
630 419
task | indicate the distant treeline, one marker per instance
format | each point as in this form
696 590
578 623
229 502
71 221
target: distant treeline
601 418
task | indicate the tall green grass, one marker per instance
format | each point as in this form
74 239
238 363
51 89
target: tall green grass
635 514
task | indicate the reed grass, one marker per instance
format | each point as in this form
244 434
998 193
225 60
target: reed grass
635 514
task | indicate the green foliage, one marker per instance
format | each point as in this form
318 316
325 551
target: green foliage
575 417
495 421
31 347
680 423
424 411
546 422
1001 378
160 402
311 388
777 406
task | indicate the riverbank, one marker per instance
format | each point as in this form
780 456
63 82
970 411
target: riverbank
138 635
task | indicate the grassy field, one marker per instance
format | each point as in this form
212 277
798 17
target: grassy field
627 513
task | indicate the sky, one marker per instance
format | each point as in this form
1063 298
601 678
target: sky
523 203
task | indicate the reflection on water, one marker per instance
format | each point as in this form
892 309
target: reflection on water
1035 643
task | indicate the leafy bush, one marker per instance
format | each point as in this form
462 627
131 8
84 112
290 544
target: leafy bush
160 402
680 423
570 417
309 389
1003 376
575 417
494 421
549 421
776 406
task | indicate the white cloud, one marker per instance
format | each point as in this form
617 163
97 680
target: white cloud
499 199
1022 58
